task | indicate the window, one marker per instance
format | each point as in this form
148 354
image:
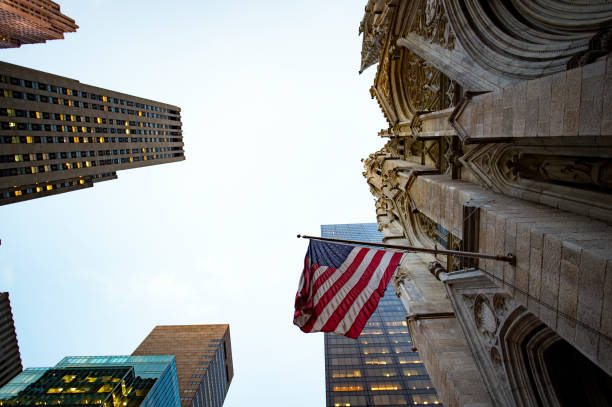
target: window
383 360
409 359
425 399
347 387
388 386
389 400
344 373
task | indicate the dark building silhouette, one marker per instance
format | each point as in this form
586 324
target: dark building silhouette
10 359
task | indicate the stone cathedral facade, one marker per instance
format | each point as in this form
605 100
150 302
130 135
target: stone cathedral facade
499 141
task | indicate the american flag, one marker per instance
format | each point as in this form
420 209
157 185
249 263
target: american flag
341 286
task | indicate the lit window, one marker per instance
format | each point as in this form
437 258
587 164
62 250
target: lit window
68 378
29 139
55 390
105 388
131 159
139 113
12 125
81 181
104 99
101 139
127 131
38 189
18 157
83 129
71 118
99 120
75 139
87 164
18 193
38 115
385 386
348 387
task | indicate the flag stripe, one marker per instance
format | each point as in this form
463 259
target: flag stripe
328 290
343 309
372 303
366 293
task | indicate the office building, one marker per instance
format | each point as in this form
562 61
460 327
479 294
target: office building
203 360
379 368
58 135
106 381
31 22
10 359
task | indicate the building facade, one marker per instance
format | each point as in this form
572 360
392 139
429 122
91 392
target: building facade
10 358
58 135
499 141
31 22
106 381
203 356
379 368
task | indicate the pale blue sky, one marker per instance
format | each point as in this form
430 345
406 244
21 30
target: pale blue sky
275 122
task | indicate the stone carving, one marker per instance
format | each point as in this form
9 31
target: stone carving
583 171
485 318
572 172
432 24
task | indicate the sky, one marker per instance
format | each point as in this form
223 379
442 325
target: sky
275 122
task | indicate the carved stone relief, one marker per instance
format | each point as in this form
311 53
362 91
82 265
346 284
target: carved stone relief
553 174
432 23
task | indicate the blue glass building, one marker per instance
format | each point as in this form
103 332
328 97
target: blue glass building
379 368
130 381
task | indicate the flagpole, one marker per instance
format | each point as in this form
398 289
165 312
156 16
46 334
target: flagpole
509 258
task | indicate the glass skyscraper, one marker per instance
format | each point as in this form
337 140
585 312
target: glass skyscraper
108 381
379 368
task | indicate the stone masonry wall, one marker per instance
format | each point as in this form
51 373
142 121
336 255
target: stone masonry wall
563 273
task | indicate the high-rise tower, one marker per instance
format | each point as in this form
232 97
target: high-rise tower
379 368
32 21
203 360
59 135
10 359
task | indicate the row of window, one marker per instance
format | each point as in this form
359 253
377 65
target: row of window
8 93
81 129
75 92
371 360
34 114
383 386
41 188
370 340
375 372
386 400
9 158
77 139
368 350
11 172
